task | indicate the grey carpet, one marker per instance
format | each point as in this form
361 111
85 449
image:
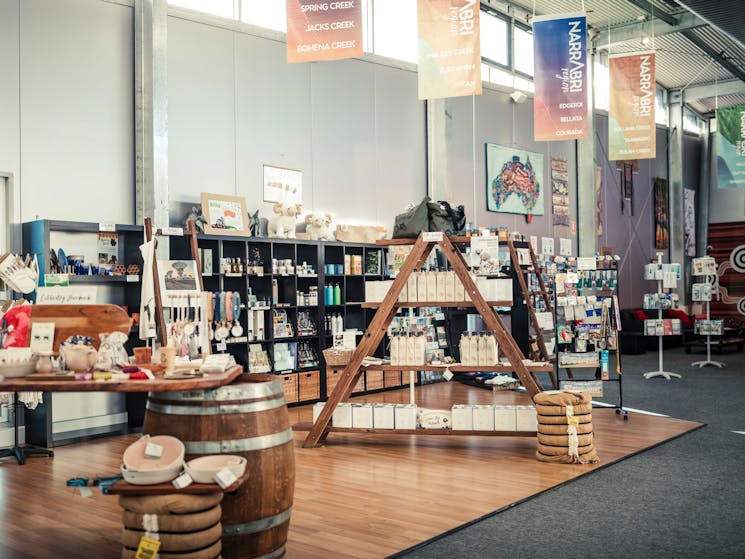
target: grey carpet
684 498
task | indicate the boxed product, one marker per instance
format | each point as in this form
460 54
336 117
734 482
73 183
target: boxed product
383 416
405 416
505 418
317 408
483 418
362 416
525 418
462 416
434 419
342 416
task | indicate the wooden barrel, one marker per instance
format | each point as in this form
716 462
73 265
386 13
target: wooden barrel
248 418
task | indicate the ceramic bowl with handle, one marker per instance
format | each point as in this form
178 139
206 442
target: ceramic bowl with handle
204 468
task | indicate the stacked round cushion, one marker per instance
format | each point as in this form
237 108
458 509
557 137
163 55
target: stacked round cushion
565 427
188 526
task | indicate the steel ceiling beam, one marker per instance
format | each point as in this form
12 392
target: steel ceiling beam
648 7
718 57
634 31
705 91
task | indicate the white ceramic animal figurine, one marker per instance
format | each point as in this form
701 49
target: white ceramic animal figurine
283 224
319 226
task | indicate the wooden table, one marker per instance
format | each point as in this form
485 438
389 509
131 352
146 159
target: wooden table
159 384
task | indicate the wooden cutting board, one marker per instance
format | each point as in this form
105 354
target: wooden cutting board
86 320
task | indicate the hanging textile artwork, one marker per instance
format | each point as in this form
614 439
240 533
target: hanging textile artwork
560 191
661 227
514 180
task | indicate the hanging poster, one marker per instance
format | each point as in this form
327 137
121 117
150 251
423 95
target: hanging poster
661 230
689 222
627 188
560 191
514 180
449 48
730 147
321 30
631 124
560 58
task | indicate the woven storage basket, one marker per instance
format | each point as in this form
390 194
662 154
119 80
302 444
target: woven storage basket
337 357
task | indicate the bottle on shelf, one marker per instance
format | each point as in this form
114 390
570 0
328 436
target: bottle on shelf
337 294
328 295
339 323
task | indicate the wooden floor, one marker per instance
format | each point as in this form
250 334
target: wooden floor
358 496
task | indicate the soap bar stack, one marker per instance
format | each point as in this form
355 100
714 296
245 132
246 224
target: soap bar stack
565 427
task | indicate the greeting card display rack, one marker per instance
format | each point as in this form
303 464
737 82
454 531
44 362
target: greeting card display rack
706 268
658 276
388 308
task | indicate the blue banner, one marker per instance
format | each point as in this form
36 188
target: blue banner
560 77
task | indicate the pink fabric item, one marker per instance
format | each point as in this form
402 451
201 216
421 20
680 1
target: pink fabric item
685 320
19 318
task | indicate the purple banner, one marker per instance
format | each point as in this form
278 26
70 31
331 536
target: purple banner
560 100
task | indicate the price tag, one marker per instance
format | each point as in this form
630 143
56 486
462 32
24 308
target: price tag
148 548
432 236
107 227
133 278
573 420
222 346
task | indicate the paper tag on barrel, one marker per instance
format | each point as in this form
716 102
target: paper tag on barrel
148 548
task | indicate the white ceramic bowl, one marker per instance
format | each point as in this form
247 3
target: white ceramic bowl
139 469
18 369
204 468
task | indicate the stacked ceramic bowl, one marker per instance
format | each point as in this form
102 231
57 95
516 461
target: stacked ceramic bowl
565 427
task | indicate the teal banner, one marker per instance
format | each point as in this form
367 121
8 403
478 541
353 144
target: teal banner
730 147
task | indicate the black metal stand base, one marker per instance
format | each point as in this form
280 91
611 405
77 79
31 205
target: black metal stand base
20 452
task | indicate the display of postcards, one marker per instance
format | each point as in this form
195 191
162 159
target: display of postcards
673 268
373 262
564 333
442 338
660 300
709 327
701 292
430 334
650 271
663 327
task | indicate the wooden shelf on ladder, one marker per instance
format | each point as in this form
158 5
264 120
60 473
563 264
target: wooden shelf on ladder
538 349
387 309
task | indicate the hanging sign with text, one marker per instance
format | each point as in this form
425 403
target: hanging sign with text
730 147
322 30
560 55
449 48
631 125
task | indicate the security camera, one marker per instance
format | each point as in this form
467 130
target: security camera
518 97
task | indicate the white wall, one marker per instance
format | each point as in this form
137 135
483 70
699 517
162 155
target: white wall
76 110
355 129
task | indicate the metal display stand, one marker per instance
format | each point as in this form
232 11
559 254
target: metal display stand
660 372
708 361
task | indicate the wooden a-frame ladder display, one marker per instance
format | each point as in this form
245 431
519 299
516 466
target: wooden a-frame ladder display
387 310
538 350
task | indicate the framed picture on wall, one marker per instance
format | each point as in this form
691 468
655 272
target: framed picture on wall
225 215
283 185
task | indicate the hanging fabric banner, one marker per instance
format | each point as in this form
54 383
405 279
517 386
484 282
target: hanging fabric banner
730 147
560 55
449 48
322 30
631 125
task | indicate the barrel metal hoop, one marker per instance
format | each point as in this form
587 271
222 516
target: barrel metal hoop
279 552
259 525
238 445
216 410
246 391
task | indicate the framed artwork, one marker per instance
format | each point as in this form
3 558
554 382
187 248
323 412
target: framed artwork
514 180
225 215
560 191
177 278
283 185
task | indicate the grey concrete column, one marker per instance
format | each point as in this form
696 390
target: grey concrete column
587 235
702 195
151 111
438 138
676 202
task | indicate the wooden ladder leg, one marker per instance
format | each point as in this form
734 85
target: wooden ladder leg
370 340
